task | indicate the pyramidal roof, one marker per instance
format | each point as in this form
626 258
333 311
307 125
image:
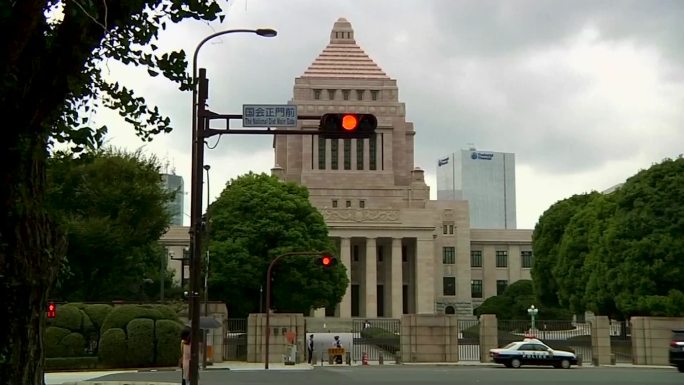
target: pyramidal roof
343 58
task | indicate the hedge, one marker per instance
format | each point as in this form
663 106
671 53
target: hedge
73 344
53 339
68 317
167 335
140 342
70 363
120 316
97 314
113 348
381 338
167 312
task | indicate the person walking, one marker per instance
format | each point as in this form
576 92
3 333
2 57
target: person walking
310 347
185 356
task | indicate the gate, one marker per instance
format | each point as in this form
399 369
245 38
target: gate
375 337
235 340
562 335
469 340
621 341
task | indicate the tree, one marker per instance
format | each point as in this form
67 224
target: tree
638 268
51 66
515 300
256 218
114 210
546 239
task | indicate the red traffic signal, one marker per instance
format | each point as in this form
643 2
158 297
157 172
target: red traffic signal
326 260
51 310
348 125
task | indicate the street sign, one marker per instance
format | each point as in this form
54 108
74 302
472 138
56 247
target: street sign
269 115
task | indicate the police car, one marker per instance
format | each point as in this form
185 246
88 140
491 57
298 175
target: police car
531 351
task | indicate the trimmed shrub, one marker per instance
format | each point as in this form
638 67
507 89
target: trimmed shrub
71 363
53 339
120 316
74 345
381 338
167 335
97 314
113 348
167 312
140 342
68 317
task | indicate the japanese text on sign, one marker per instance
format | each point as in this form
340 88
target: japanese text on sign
269 115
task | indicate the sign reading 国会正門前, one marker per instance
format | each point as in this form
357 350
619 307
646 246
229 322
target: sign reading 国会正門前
269 115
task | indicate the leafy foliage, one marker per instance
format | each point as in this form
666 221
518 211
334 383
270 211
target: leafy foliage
256 218
122 315
167 334
113 348
514 302
140 333
114 208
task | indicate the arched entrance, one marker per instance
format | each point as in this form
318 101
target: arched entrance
449 310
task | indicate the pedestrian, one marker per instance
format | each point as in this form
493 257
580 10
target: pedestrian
310 347
366 324
337 344
185 356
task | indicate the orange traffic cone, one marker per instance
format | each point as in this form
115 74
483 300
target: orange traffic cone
364 358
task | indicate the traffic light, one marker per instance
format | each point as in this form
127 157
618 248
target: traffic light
51 310
326 260
348 125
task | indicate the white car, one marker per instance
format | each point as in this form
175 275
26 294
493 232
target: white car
531 351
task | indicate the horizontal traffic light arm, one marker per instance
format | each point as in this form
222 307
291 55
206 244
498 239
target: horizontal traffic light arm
209 132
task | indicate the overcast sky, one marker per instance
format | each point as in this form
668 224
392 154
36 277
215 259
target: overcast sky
585 93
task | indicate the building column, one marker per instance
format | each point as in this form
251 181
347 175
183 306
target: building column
345 254
425 277
371 279
396 280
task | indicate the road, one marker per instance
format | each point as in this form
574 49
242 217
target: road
418 374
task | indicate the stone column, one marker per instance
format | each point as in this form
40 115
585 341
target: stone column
425 277
600 341
345 254
489 336
396 280
371 279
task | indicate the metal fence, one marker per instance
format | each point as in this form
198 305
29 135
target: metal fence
375 337
235 340
621 341
469 340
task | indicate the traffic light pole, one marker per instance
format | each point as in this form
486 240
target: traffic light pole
268 297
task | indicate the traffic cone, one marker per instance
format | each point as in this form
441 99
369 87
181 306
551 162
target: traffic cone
364 358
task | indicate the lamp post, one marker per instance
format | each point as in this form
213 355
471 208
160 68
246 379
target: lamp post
198 134
532 311
206 268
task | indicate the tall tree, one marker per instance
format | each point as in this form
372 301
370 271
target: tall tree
546 239
256 218
114 209
52 51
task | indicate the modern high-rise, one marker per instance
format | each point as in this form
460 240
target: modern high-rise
174 183
486 179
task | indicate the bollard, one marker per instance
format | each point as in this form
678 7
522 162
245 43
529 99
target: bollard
579 360
397 357
381 359
364 358
331 359
348 358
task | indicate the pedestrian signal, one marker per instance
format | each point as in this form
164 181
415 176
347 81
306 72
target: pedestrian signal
51 310
348 125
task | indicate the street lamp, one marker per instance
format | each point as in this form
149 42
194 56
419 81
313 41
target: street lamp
532 311
198 131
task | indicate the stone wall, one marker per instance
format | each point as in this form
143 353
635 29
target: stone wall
282 326
651 338
429 338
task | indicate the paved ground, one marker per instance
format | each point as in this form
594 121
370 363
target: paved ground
410 374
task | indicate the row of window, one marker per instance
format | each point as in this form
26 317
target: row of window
449 287
449 257
348 204
346 94
347 148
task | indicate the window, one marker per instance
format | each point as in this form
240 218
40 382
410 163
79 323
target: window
362 204
379 253
501 285
404 254
321 153
334 203
374 94
317 94
359 94
331 94
476 288
526 256
451 229
448 255
347 204
347 154
501 258
345 94
359 154
444 229
475 258
372 149
334 158
355 253
449 286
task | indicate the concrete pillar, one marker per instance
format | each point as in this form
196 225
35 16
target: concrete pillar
600 341
371 279
425 277
489 335
396 280
345 254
